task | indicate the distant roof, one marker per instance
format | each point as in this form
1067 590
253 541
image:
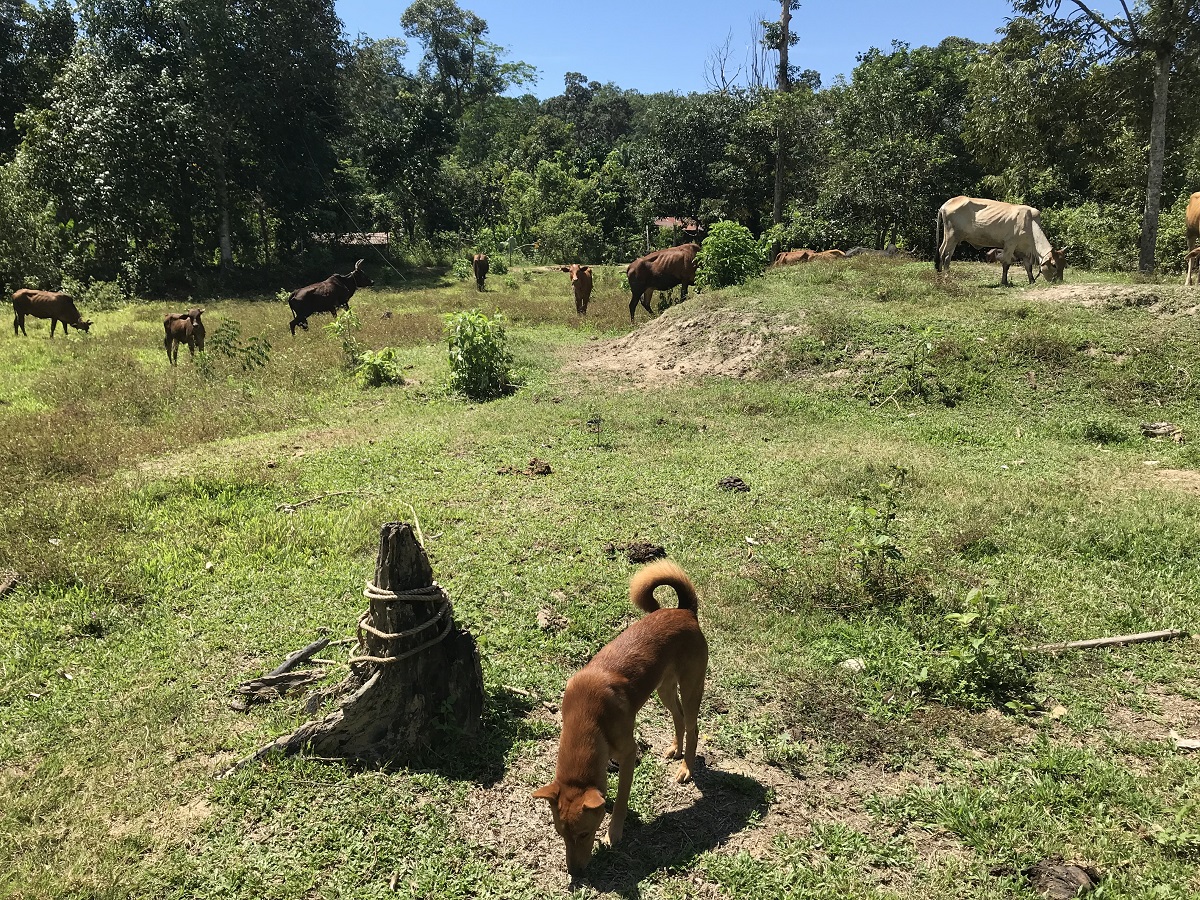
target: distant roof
355 239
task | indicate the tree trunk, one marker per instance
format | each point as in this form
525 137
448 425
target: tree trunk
1158 152
783 85
415 685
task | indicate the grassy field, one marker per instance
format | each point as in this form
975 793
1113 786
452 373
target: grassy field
939 476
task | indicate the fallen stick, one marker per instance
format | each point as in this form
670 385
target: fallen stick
292 507
294 659
1170 634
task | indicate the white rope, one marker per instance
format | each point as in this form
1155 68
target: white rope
373 591
384 636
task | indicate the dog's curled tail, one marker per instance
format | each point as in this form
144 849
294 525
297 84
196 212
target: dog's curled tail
643 583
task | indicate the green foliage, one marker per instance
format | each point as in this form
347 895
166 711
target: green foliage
461 270
1105 240
1099 431
729 255
871 532
566 238
376 368
31 243
225 343
345 328
497 265
480 363
977 664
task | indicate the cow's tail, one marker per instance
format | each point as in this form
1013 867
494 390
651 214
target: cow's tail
937 241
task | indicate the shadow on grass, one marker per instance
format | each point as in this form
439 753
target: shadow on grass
728 803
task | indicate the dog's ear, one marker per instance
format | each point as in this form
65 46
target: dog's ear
593 799
548 792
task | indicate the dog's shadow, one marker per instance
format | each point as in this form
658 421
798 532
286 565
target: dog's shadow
728 803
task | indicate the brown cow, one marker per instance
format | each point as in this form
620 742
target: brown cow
828 255
1193 235
581 285
793 257
183 328
47 305
479 264
661 271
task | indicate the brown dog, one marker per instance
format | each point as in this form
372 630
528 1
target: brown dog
665 651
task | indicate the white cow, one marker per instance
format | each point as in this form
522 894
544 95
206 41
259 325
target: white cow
1015 229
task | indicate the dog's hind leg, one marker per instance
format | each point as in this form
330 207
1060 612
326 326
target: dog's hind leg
668 693
691 691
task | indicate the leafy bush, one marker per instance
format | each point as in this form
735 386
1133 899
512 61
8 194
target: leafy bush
497 265
480 364
226 343
461 270
871 523
979 665
729 255
1097 432
377 368
30 241
1105 239
343 327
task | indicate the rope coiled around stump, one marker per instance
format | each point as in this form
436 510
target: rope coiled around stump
432 593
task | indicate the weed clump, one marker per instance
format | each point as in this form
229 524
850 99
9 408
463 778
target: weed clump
480 363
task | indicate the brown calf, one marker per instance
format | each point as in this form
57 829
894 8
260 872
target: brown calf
183 328
581 285
661 271
1193 235
47 305
479 264
792 258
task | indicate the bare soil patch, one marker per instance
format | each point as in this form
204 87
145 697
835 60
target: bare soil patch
733 805
1183 480
1161 299
686 343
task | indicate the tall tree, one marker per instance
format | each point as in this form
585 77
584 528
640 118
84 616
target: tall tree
35 41
462 62
782 38
1168 31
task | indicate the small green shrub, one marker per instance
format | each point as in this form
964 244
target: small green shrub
729 255
377 368
497 266
510 283
461 270
978 665
225 343
872 519
344 328
1101 432
480 364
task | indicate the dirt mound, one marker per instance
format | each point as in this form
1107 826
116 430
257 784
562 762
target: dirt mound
688 342
1163 299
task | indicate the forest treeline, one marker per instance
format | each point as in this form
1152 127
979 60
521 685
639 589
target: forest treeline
185 144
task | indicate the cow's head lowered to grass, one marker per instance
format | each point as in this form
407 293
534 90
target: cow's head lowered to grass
1054 264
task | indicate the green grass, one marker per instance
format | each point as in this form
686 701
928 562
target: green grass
1015 414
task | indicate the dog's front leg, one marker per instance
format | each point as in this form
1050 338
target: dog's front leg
627 760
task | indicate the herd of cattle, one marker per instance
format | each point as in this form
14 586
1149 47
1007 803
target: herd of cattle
1008 232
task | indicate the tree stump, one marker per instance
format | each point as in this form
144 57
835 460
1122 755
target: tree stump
415 681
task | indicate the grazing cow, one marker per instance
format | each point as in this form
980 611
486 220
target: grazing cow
661 271
581 285
479 264
47 305
1015 228
326 296
1193 235
183 328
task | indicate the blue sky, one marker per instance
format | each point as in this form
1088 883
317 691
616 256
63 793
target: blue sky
659 46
